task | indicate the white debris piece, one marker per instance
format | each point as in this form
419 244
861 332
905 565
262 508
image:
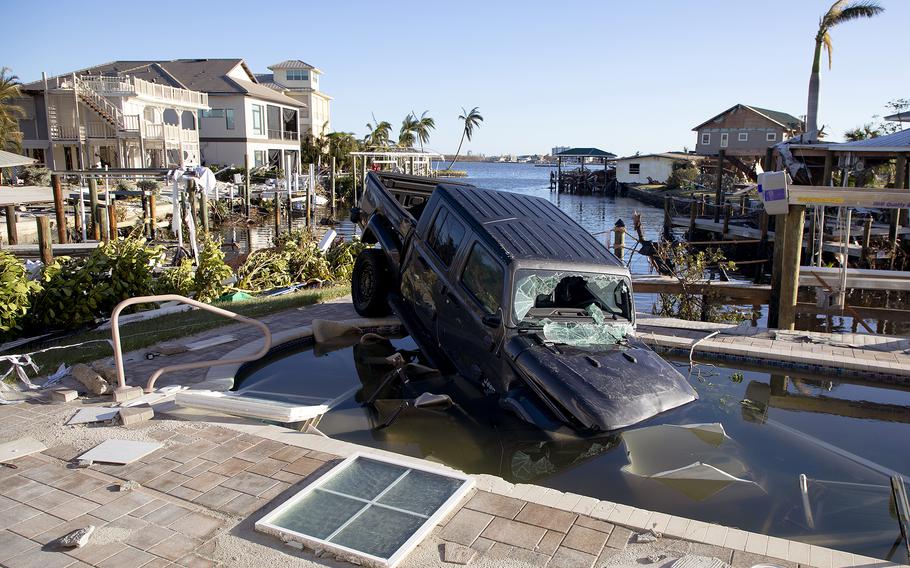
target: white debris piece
77 538
120 451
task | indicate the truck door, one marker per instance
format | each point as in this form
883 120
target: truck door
425 276
470 316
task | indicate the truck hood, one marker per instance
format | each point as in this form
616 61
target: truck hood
604 388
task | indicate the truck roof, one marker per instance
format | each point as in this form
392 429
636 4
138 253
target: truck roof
522 227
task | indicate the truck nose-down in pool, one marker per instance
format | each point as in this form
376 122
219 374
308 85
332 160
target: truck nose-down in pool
509 291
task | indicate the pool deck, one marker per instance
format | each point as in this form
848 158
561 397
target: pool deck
217 475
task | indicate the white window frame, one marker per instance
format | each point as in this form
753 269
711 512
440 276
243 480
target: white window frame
724 139
637 166
743 137
705 138
771 137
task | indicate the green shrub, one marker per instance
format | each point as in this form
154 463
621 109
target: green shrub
682 176
341 257
151 185
212 270
35 175
125 185
15 293
179 280
263 270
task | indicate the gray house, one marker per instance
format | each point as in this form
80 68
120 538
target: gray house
745 131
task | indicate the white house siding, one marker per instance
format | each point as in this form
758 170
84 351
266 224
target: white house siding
657 168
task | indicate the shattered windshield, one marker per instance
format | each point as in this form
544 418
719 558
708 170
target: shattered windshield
575 308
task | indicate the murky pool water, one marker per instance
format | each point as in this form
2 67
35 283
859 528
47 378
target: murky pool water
845 436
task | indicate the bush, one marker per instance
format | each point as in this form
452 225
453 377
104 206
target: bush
180 279
341 257
35 175
212 270
150 185
125 185
15 293
682 176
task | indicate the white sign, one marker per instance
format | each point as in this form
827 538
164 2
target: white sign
774 193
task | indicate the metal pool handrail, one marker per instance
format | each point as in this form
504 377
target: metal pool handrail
118 356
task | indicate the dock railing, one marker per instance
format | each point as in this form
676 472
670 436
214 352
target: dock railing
150 386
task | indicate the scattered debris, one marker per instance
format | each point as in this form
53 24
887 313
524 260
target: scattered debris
241 405
93 414
77 538
127 393
129 485
55 378
107 372
457 553
130 416
20 448
326 330
649 536
160 395
294 544
694 561
63 395
95 383
82 464
120 451
655 558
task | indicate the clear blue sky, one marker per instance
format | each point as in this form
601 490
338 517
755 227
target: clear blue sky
623 76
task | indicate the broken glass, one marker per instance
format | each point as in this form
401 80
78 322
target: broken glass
541 289
582 334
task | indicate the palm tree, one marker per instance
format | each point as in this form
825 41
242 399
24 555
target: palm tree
471 120
379 133
424 125
841 11
407 135
10 136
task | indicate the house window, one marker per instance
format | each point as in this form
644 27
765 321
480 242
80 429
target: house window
258 158
273 119
634 169
706 138
289 116
226 113
724 139
229 118
258 124
483 278
297 75
743 136
446 237
771 137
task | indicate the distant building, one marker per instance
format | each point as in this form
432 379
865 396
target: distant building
558 149
160 114
300 80
745 131
650 168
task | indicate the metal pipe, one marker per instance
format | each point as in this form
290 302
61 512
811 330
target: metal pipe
118 355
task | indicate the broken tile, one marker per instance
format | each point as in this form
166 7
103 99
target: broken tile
515 533
466 526
120 451
20 448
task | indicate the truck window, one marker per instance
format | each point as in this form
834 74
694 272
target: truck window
483 278
446 236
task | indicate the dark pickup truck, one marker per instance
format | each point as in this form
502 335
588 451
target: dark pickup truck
509 291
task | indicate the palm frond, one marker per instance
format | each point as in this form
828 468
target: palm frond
854 11
826 41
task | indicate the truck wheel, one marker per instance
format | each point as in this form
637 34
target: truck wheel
370 284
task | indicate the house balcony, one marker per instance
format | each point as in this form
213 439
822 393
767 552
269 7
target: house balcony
147 91
168 133
283 135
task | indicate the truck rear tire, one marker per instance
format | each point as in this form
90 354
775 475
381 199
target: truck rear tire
370 284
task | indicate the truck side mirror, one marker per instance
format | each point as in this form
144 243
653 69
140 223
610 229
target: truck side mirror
492 320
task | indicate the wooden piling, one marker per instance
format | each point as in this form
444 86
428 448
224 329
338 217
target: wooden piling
719 184
702 204
829 168
867 241
762 245
45 246
693 215
77 218
728 210
668 217
246 185
332 200
789 284
191 200
780 238
154 220
309 196
95 208
204 211
12 232
619 241
112 220
277 203
59 208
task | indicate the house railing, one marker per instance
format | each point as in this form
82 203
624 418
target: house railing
98 129
127 85
100 104
289 135
131 122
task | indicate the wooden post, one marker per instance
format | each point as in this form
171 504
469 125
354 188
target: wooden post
780 243
95 210
12 233
829 168
702 204
332 201
668 218
867 241
558 174
112 220
191 200
411 160
44 239
619 241
105 224
728 210
59 208
77 216
762 245
743 204
309 194
154 220
246 185
693 215
204 211
719 185
789 284
768 164
277 202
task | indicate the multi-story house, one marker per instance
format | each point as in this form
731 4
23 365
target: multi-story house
300 80
162 114
745 131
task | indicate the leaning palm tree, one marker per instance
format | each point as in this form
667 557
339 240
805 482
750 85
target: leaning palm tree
379 133
407 135
471 120
841 11
10 136
424 125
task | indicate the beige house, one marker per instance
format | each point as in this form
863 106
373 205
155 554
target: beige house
300 80
745 131
161 114
650 168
